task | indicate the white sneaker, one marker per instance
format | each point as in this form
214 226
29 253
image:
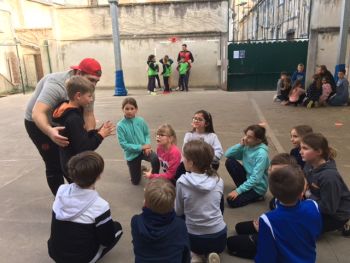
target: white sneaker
154 93
213 258
148 91
196 258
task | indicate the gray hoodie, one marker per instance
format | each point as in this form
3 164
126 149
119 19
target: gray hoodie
198 198
329 190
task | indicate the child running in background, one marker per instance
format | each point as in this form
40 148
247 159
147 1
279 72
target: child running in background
244 244
313 93
296 94
168 153
251 178
69 114
326 91
158 235
203 129
183 67
289 233
296 135
279 87
152 73
198 196
133 137
82 229
166 62
326 186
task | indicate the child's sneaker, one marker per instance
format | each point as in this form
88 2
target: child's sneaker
213 258
275 99
317 104
196 258
346 229
310 104
153 93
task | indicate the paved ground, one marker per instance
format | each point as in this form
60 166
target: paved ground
26 200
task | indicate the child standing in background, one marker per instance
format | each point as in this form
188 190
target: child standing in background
198 196
296 134
203 129
133 137
168 153
251 178
166 62
183 67
152 73
289 233
326 186
158 235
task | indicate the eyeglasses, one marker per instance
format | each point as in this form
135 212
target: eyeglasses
197 119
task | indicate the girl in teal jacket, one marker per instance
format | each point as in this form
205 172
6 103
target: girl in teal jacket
133 137
251 178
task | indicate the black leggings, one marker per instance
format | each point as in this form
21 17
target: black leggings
135 166
49 152
166 83
245 243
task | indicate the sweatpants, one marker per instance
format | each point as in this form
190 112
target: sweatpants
166 84
245 243
49 152
135 166
151 83
158 81
238 175
329 223
206 244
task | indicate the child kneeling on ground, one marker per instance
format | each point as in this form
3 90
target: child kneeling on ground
82 229
158 234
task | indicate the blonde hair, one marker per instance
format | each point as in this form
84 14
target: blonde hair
167 129
160 195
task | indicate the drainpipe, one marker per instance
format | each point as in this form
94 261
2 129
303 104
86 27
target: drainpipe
46 44
19 64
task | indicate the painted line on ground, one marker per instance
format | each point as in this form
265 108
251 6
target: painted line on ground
270 132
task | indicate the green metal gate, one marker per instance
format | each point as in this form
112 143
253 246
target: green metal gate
257 66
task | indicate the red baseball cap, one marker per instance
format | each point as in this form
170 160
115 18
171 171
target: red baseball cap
89 66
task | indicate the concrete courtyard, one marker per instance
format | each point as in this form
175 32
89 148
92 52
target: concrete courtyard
26 199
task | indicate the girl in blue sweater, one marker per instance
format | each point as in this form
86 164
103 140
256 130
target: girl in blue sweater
133 137
251 178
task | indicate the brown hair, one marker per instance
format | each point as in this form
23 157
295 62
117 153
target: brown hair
160 195
78 84
259 132
201 154
319 143
287 183
283 158
129 100
302 130
166 129
84 168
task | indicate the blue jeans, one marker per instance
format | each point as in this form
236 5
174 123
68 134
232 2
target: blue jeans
238 175
206 244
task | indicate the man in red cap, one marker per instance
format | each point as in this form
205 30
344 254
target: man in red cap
49 93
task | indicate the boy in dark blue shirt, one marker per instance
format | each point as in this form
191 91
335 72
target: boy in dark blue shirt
158 234
288 234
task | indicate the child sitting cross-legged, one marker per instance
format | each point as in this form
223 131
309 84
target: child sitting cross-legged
289 233
158 234
82 229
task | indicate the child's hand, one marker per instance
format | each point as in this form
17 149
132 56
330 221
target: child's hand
106 129
147 174
256 224
242 142
233 195
147 152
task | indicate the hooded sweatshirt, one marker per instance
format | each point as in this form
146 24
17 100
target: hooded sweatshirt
79 139
132 134
198 198
159 238
81 223
256 164
329 190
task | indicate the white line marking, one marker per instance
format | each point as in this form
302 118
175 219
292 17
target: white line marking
270 132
